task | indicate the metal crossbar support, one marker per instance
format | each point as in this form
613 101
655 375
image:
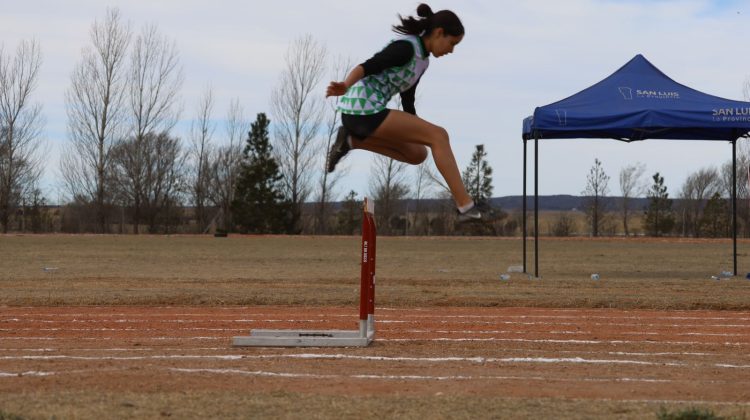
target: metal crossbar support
333 338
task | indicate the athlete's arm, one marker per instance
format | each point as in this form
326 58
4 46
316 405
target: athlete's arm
340 88
396 54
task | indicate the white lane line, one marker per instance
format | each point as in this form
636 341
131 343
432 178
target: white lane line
577 316
324 322
558 332
439 339
442 319
442 331
318 356
222 349
256 373
387 330
293 375
658 353
112 349
354 376
417 377
22 374
591 361
160 321
480 360
402 377
123 358
497 318
123 329
162 338
529 340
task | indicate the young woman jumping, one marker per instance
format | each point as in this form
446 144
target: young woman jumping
368 124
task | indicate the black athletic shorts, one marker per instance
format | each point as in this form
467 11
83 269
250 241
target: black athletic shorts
362 126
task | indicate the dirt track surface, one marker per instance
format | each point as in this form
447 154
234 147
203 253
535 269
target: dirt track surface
699 356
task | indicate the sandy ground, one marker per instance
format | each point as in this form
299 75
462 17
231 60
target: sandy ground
595 354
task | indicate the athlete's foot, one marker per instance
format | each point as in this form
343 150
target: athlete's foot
481 212
339 149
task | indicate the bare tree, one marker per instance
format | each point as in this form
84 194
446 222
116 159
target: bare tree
20 127
97 109
201 132
153 86
328 181
388 186
154 83
165 178
697 189
423 187
227 161
158 160
631 185
563 225
596 189
743 191
443 222
297 109
128 177
743 185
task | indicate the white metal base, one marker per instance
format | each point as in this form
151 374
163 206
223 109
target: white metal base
309 338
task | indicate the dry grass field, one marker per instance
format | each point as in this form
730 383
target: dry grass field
121 358
323 271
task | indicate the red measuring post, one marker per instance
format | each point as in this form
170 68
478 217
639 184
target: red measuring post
367 281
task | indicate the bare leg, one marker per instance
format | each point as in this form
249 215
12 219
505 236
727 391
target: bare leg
402 137
410 153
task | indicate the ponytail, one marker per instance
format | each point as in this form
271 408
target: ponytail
428 21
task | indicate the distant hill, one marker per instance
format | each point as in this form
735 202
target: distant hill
561 202
546 203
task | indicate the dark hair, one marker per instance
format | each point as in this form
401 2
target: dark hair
445 19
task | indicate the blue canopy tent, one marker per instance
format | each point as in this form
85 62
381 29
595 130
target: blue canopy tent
637 102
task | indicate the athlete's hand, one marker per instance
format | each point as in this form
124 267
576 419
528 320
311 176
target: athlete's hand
336 89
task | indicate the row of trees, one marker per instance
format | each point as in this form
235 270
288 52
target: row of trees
261 206
702 207
124 167
123 161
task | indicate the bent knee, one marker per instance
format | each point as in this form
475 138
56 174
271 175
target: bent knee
440 135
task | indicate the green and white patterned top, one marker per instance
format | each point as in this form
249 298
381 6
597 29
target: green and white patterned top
372 93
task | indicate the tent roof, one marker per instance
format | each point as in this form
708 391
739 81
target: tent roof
639 102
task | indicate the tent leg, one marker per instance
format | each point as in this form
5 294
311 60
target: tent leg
524 207
536 205
734 204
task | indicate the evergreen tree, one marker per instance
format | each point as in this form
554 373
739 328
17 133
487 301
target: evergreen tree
478 176
659 216
259 205
37 211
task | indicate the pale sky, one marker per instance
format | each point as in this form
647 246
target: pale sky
516 55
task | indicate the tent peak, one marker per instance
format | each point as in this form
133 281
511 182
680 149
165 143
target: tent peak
638 102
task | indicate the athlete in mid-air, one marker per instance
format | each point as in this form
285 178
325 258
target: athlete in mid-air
368 124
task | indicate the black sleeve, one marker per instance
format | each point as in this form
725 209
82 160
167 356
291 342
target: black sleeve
408 98
396 54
